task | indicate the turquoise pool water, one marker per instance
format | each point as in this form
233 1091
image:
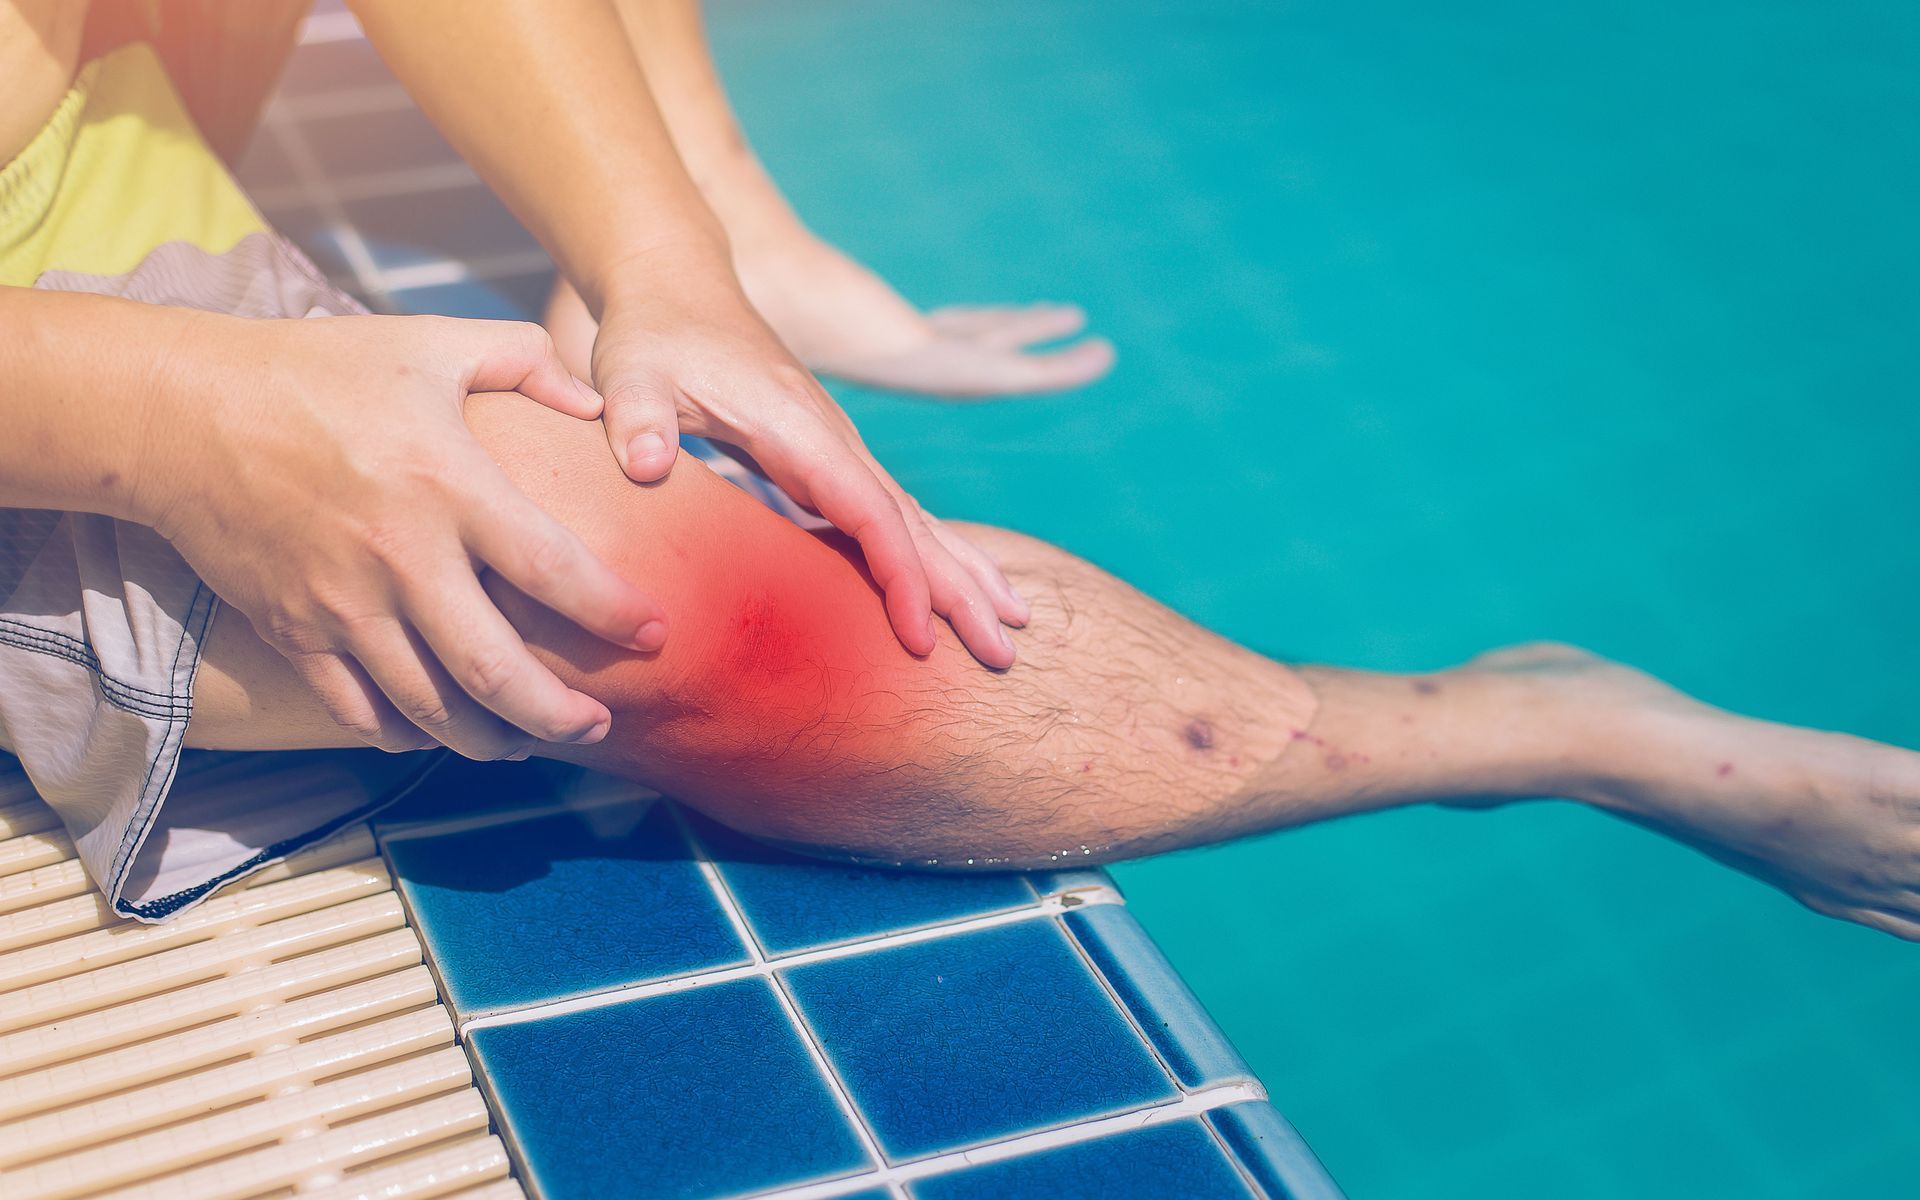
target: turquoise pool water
1463 327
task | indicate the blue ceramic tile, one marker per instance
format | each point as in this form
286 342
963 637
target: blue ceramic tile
1179 1159
700 1093
459 223
308 229
1055 883
1166 1008
1279 1161
974 1037
793 902
531 910
460 787
468 298
364 142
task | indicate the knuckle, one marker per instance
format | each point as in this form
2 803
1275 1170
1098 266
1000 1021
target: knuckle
794 382
547 560
431 714
532 338
365 724
495 749
290 633
490 674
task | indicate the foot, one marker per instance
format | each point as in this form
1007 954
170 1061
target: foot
841 319
1832 820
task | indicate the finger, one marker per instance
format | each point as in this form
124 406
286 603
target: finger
547 561
969 369
643 425
822 471
483 653
1885 922
518 356
403 668
1008 603
356 705
957 594
1010 327
960 598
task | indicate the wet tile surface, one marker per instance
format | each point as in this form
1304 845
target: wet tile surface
959 1041
1176 1159
525 911
884 1031
433 226
1272 1153
702 1093
1162 1005
794 903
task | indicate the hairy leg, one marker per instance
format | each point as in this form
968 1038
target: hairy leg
783 706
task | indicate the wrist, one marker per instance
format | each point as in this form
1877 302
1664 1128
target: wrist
177 409
684 268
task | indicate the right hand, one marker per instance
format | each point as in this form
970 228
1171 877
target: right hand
320 477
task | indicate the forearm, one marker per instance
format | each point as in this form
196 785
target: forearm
546 100
85 398
670 42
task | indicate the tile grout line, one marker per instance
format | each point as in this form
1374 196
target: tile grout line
375 185
842 1096
1140 1032
1046 907
438 826
306 168
1189 1104
435 272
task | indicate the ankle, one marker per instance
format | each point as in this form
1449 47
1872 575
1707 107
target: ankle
1529 735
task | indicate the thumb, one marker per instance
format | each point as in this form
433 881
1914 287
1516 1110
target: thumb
518 356
643 426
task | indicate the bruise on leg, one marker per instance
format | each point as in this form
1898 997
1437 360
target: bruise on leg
782 703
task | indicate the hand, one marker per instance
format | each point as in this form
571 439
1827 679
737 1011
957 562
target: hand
696 357
331 491
842 319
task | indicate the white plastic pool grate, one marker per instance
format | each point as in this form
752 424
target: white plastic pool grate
285 1038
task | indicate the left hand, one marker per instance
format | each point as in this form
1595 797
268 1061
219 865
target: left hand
699 358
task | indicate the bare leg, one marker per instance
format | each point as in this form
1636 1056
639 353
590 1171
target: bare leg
782 705
836 316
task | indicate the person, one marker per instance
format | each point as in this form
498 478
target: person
838 317
785 703
783 707
358 405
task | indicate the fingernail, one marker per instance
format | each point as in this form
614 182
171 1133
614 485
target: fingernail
646 448
1006 643
932 637
651 635
595 734
586 392
1021 609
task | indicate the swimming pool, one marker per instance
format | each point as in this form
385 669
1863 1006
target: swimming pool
1467 328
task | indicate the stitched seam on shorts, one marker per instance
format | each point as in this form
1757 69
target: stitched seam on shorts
167 905
49 641
148 798
162 709
85 655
